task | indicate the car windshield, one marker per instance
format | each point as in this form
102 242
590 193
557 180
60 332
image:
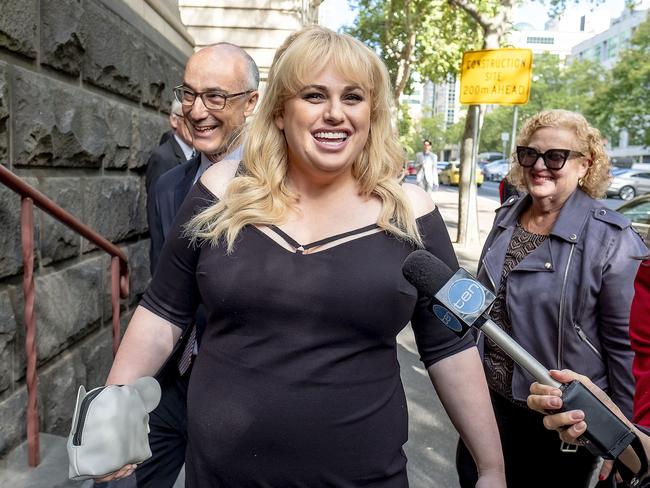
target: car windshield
496 163
619 171
637 212
489 156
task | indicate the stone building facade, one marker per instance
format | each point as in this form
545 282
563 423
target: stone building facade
85 90
259 26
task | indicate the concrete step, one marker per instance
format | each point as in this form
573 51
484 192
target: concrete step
52 472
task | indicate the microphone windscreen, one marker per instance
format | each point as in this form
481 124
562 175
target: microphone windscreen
426 272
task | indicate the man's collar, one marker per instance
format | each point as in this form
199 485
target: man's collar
187 150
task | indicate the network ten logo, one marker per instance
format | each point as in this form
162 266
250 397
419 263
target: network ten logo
464 297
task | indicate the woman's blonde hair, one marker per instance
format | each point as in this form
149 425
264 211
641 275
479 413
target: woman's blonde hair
261 195
589 142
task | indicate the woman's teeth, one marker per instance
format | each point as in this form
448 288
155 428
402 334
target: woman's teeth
331 137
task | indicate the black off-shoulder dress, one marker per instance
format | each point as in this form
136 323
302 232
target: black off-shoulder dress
297 382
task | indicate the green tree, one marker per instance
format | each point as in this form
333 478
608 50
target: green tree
413 33
554 85
492 20
623 103
431 128
496 122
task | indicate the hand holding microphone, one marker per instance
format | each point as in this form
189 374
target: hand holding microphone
461 302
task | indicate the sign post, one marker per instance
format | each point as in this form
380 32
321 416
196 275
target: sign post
504 140
498 77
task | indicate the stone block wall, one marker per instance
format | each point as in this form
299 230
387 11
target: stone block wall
85 92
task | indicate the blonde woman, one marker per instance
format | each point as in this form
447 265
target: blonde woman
562 268
297 259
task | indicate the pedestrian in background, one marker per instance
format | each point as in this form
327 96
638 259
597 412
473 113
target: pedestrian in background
428 161
297 381
560 265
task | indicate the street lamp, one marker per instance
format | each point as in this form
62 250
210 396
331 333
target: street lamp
505 137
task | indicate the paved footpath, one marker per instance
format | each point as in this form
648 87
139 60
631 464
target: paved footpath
446 200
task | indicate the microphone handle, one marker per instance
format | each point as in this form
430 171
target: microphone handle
518 354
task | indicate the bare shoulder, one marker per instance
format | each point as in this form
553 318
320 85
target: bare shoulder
421 201
217 176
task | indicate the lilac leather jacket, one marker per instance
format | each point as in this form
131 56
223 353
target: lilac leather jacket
569 300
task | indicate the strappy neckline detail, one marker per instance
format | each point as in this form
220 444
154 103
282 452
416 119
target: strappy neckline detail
298 248
301 248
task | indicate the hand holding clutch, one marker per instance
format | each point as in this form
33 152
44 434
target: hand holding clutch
109 428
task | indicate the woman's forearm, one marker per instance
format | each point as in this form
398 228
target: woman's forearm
461 386
147 343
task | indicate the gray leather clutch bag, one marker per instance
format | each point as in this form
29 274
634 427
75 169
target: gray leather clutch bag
110 427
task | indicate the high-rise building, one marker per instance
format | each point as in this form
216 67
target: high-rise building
605 48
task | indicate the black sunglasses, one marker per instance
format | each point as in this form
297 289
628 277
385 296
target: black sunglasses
553 158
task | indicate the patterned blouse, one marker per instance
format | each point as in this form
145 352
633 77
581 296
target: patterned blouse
498 365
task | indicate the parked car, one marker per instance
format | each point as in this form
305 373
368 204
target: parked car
496 170
638 211
626 184
451 175
488 157
411 172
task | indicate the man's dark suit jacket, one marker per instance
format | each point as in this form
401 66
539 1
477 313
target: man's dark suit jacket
165 135
167 196
166 156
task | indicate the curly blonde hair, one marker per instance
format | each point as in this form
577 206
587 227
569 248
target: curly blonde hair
589 143
261 194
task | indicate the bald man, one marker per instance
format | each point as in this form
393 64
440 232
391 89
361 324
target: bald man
218 93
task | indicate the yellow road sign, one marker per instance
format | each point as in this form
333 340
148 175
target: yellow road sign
497 76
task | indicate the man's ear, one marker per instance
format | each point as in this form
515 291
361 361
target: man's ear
173 121
252 103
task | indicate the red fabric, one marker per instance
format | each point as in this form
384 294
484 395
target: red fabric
502 186
640 340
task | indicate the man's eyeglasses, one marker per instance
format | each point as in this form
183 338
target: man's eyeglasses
553 158
212 100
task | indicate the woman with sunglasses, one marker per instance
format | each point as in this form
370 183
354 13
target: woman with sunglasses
562 268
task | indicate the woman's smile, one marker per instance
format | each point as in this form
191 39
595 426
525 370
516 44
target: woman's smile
326 124
332 139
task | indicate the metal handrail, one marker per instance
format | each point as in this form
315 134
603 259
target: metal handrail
119 286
